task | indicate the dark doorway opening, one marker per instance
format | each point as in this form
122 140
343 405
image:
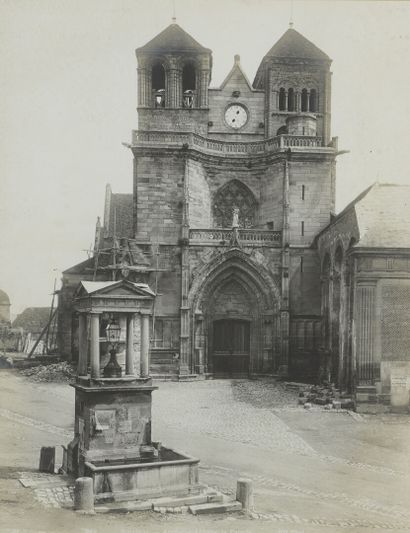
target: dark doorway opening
231 343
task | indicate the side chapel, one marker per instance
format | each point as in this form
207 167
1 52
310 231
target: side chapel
233 193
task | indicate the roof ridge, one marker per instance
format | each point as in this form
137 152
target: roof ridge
173 37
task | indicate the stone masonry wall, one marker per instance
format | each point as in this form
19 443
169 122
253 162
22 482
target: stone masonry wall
298 77
314 210
158 196
304 276
199 198
252 100
271 196
195 120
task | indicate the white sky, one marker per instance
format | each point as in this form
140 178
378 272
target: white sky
68 99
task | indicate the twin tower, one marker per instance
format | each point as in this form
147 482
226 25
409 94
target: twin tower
231 186
259 157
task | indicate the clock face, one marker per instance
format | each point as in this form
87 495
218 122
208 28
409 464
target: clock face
236 116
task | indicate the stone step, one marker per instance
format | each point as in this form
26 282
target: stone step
371 389
187 377
123 507
169 501
209 508
165 377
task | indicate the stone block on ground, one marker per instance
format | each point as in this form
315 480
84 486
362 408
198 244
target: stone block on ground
47 459
84 494
209 508
169 501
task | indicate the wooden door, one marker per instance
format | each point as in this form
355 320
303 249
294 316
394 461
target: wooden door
231 341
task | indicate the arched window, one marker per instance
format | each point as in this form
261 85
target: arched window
304 100
282 99
313 100
188 84
291 100
234 195
283 130
158 84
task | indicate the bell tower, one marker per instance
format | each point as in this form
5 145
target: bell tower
295 75
174 72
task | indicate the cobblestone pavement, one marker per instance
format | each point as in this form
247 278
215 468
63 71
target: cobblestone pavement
220 408
311 470
34 423
243 411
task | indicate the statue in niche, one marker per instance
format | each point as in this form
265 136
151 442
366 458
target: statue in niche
235 217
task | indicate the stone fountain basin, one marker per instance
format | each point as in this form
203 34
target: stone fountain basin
171 474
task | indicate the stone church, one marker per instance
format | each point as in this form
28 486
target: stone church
232 217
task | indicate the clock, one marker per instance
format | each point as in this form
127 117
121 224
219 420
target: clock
236 116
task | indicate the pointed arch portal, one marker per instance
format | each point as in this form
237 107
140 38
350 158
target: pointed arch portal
236 326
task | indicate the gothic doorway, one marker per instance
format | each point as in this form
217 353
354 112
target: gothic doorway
231 347
236 327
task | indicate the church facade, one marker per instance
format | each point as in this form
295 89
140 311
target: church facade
233 189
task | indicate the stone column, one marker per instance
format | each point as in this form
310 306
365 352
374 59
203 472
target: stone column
365 327
203 89
184 362
129 353
82 345
142 97
199 324
285 260
95 345
144 345
298 103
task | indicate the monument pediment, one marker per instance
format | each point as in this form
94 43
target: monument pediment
118 296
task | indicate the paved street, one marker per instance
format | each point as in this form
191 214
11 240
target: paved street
312 470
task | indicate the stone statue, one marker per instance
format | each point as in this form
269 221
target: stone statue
235 217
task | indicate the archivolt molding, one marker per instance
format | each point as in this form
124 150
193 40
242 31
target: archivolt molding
234 264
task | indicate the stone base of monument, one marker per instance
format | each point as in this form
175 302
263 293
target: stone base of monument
170 473
207 501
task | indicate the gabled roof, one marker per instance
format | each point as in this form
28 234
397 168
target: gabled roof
173 39
107 287
237 74
383 216
293 44
382 213
79 268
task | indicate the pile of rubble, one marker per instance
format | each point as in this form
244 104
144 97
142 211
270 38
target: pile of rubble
59 372
325 394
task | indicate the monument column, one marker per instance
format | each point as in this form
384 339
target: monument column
82 344
95 345
144 345
285 260
129 353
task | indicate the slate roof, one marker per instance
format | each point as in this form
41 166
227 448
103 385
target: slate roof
172 39
383 216
382 213
120 220
293 44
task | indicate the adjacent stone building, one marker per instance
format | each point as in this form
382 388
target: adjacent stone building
231 220
365 261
